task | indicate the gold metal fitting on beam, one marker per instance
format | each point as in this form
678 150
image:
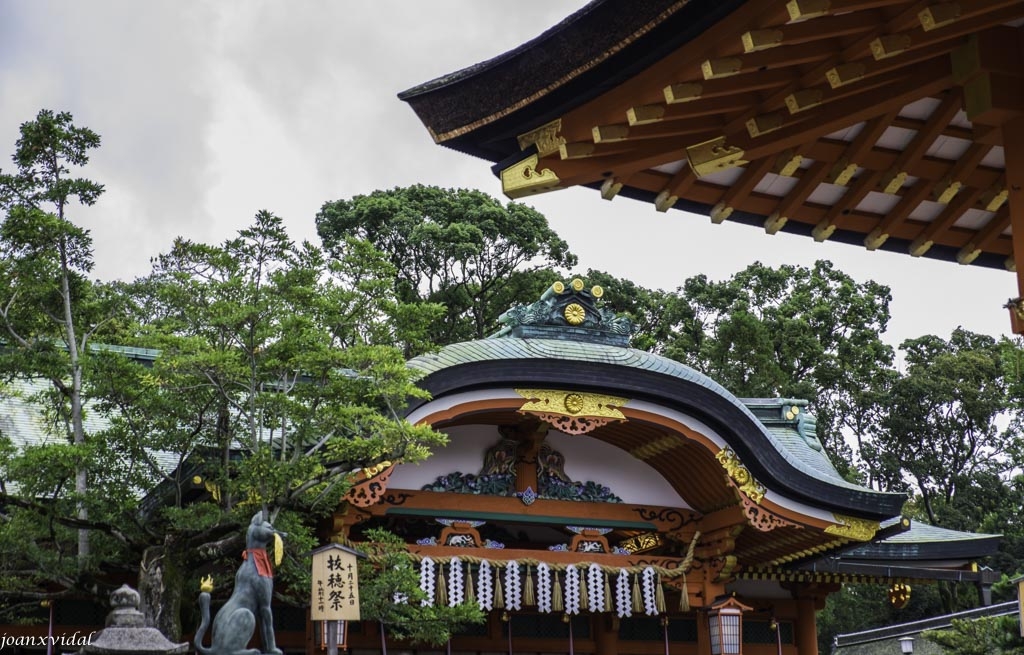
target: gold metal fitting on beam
788 163
893 181
875 239
715 68
685 92
853 528
968 254
889 45
823 230
644 114
576 150
713 155
765 123
755 40
920 246
774 223
946 190
664 201
720 212
842 172
803 99
610 133
844 74
801 9
523 179
994 198
545 137
610 188
938 15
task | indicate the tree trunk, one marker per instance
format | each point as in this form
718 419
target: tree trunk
161 585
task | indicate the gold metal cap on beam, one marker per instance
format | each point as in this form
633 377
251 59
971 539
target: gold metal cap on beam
875 239
664 201
893 181
685 92
842 172
823 230
920 246
765 123
610 133
644 114
610 188
968 254
576 150
803 99
938 15
715 68
523 179
787 163
946 190
774 223
545 137
755 40
844 74
801 9
720 212
889 45
713 155
995 197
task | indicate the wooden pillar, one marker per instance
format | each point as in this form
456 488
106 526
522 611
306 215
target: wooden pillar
703 634
1013 147
606 638
806 629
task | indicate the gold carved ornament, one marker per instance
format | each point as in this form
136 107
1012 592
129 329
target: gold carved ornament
523 178
853 528
739 474
572 412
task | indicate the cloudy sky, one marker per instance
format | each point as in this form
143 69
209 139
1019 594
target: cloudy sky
210 111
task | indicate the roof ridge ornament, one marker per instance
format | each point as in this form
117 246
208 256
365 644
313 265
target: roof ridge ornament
570 313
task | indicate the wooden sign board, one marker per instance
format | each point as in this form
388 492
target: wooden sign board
335 584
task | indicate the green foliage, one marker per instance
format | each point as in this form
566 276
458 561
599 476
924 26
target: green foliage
791 332
990 635
389 593
459 248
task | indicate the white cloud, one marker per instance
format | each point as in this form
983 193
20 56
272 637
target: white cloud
211 111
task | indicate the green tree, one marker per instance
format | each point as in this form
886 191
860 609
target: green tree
274 373
792 332
459 248
392 597
49 309
940 430
990 635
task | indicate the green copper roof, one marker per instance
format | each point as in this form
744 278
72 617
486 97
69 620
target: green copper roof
793 438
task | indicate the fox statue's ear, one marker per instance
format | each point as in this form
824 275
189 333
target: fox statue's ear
257 518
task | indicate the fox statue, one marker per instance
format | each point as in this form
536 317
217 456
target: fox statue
235 623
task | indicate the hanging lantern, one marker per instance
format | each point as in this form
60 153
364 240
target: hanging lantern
725 624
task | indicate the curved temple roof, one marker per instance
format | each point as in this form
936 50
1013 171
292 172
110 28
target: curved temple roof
891 124
535 350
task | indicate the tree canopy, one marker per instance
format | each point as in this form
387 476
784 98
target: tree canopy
457 247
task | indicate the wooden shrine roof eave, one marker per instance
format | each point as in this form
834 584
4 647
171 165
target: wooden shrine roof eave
892 244
692 397
591 51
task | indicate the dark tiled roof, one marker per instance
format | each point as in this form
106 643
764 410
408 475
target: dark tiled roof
578 59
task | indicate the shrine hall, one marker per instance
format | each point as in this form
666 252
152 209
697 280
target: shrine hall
596 498
887 124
